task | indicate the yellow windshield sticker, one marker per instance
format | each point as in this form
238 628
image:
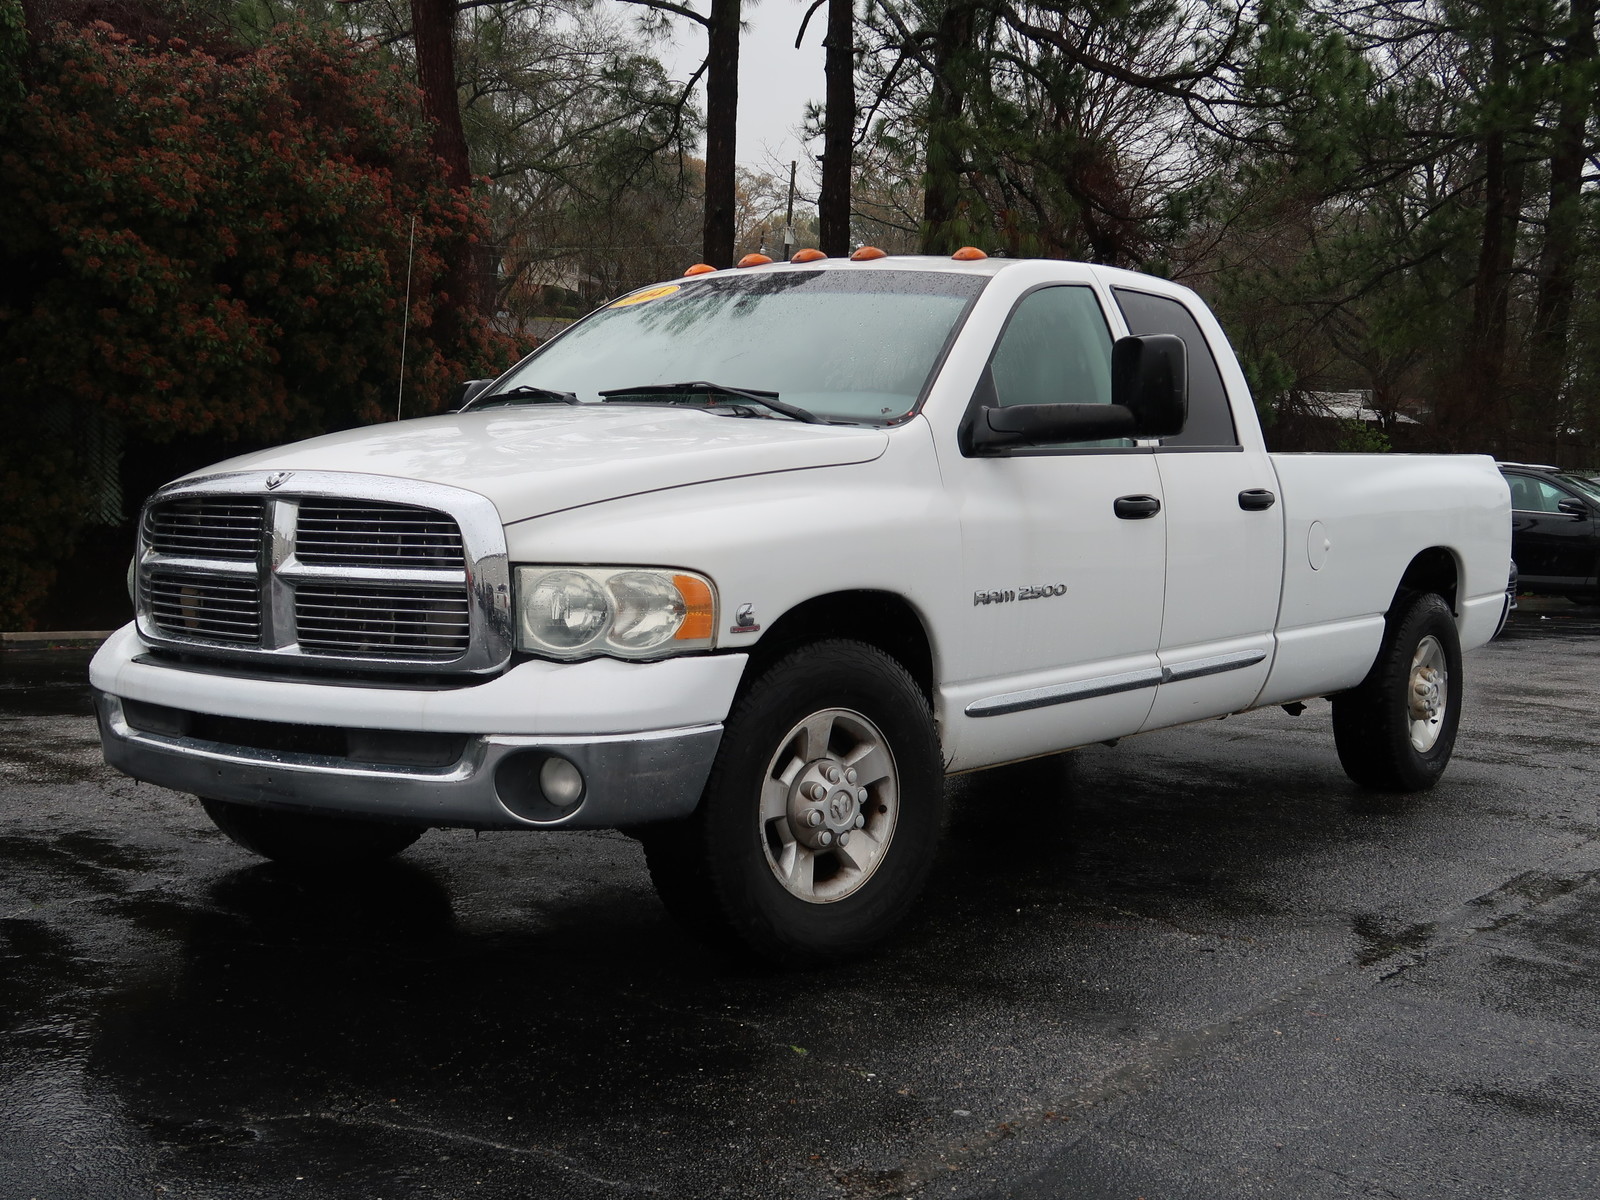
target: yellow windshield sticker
645 296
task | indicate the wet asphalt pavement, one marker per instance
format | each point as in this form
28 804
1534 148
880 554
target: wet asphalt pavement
1197 966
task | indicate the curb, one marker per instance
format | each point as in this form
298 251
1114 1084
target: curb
51 639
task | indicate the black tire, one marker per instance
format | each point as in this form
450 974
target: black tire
723 872
1584 599
1374 724
306 839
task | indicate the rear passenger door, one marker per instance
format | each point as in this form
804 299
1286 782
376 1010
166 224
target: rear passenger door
1224 537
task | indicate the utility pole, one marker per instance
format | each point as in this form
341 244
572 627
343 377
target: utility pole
788 221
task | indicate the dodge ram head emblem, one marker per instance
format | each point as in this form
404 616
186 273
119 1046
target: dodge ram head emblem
276 478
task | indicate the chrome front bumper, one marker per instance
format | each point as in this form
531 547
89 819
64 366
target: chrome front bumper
629 779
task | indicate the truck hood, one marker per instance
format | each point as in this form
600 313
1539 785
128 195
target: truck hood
541 459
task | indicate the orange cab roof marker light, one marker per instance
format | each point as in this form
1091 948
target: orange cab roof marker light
700 269
968 254
868 253
809 254
754 260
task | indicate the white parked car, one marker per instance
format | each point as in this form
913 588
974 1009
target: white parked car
745 563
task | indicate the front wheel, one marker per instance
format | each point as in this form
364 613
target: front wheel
306 839
819 822
1395 731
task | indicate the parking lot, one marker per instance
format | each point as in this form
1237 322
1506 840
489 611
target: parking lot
1200 964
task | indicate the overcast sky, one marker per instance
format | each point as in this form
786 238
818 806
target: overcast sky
775 79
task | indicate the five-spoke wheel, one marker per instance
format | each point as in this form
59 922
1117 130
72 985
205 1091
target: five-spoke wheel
1428 693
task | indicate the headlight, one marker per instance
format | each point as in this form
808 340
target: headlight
626 612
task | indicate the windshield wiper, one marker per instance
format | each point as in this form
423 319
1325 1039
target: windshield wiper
524 393
706 388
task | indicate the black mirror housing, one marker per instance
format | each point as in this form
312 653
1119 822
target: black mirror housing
1043 424
1576 509
1150 378
990 428
466 392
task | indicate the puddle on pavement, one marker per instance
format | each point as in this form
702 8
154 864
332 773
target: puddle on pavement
60 867
1378 940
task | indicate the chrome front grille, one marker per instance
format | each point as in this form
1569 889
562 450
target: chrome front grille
224 609
342 532
382 622
227 529
338 569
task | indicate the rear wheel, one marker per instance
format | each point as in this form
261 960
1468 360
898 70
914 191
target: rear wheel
822 813
1396 730
306 839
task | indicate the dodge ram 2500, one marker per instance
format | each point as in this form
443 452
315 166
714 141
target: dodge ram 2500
745 563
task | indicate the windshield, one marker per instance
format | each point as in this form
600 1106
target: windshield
846 345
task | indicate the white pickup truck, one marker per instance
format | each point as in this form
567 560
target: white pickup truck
745 563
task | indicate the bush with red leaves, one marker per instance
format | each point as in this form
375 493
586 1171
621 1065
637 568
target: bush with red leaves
199 246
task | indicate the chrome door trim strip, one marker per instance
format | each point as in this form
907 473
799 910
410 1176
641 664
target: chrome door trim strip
1110 685
1216 665
1064 693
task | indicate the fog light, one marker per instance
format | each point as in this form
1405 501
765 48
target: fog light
539 786
561 782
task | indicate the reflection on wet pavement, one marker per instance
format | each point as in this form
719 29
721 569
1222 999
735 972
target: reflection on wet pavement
1197 964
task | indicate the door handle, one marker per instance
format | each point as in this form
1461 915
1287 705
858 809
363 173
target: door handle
1136 508
1256 499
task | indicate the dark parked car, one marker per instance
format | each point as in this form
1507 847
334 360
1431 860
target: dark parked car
1555 531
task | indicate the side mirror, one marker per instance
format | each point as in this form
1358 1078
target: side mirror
1150 378
466 392
990 427
1576 509
1149 393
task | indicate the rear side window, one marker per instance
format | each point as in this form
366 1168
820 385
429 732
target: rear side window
1210 419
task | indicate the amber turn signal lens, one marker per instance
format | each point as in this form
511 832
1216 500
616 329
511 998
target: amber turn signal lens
700 269
754 260
701 610
868 253
809 254
968 254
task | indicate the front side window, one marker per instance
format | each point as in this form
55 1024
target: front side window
1589 488
843 344
1056 349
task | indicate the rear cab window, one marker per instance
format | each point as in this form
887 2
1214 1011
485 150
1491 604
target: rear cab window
1210 425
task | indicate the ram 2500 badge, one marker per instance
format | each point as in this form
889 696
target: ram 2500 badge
744 564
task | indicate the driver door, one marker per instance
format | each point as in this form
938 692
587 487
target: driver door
1063 554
